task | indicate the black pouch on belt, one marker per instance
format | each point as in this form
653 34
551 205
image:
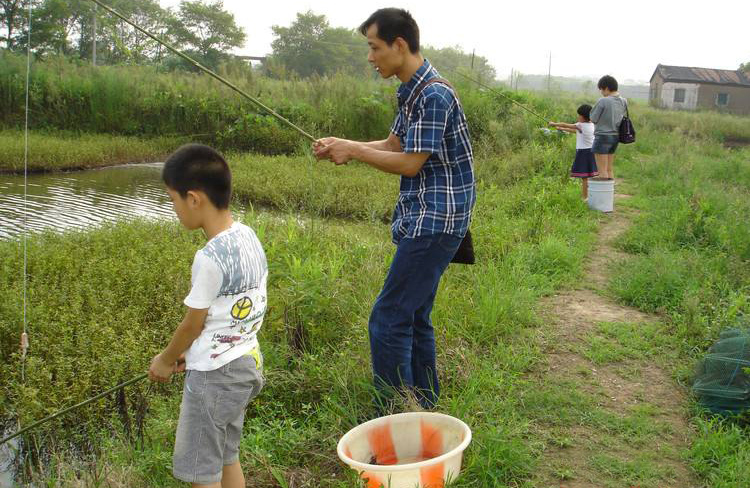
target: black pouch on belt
465 252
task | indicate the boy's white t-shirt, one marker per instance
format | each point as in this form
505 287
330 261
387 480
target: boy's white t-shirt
229 278
585 135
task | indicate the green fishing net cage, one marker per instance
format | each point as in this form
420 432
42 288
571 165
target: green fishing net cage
722 380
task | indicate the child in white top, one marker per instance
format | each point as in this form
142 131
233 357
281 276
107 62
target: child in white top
584 165
218 336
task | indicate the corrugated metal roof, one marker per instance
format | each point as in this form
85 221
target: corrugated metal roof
703 75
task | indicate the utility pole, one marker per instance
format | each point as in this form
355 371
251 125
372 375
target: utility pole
93 37
549 73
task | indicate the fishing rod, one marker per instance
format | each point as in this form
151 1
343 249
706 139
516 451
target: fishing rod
498 92
195 63
73 407
36 424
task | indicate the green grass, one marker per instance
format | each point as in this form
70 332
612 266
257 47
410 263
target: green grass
145 101
721 453
621 341
103 302
690 262
645 471
104 324
65 151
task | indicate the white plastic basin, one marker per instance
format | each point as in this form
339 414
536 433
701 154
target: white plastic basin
406 450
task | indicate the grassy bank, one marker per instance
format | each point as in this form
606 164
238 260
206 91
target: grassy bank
691 263
143 101
67 151
531 236
103 302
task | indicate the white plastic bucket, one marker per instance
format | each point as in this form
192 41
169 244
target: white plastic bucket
601 194
406 450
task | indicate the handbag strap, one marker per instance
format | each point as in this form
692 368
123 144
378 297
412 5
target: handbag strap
625 102
420 88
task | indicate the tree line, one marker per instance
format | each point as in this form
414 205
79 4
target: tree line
309 46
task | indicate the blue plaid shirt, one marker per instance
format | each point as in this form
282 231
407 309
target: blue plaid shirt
440 198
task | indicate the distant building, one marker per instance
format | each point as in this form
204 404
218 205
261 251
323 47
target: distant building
683 88
250 59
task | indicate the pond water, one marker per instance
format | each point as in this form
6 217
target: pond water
81 199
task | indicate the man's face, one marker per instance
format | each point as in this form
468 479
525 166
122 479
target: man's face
384 58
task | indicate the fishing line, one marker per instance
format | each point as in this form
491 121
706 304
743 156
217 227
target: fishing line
195 63
25 334
498 92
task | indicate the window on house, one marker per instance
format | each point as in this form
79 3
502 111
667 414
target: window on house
722 99
679 95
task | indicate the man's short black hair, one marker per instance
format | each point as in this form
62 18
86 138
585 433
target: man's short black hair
199 167
393 23
607 82
585 111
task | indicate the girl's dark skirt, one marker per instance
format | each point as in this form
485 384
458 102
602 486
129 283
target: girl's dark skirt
584 165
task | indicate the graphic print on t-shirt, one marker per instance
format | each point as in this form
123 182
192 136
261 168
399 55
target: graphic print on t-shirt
242 308
230 274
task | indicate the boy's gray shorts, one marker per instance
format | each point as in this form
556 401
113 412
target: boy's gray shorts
211 417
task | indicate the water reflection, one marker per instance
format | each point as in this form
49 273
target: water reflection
81 199
8 453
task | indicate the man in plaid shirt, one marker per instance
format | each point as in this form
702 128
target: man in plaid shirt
429 146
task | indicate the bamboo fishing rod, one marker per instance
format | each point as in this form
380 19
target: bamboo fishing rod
195 63
498 92
36 424
73 407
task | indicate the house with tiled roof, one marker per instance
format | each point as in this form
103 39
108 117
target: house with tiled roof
684 88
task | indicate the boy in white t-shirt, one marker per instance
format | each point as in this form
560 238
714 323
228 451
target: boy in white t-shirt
218 336
584 165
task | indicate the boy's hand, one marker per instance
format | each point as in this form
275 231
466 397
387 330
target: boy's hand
179 367
161 371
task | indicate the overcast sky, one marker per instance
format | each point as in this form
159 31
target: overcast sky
587 38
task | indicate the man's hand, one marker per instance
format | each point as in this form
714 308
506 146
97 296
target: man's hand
340 151
160 370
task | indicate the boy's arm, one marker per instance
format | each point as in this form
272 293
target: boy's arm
163 365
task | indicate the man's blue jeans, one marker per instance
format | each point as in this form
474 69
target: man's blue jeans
402 340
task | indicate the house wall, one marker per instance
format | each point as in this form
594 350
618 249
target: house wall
739 98
654 95
691 95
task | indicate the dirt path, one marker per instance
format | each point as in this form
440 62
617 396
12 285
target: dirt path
611 416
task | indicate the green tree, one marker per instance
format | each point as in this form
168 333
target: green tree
54 25
745 67
11 19
117 41
309 46
451 58
206 30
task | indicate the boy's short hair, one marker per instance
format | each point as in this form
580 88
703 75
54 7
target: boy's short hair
607 82
585 111
393 23
199 167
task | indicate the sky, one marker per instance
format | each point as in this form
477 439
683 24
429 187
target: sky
586 38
